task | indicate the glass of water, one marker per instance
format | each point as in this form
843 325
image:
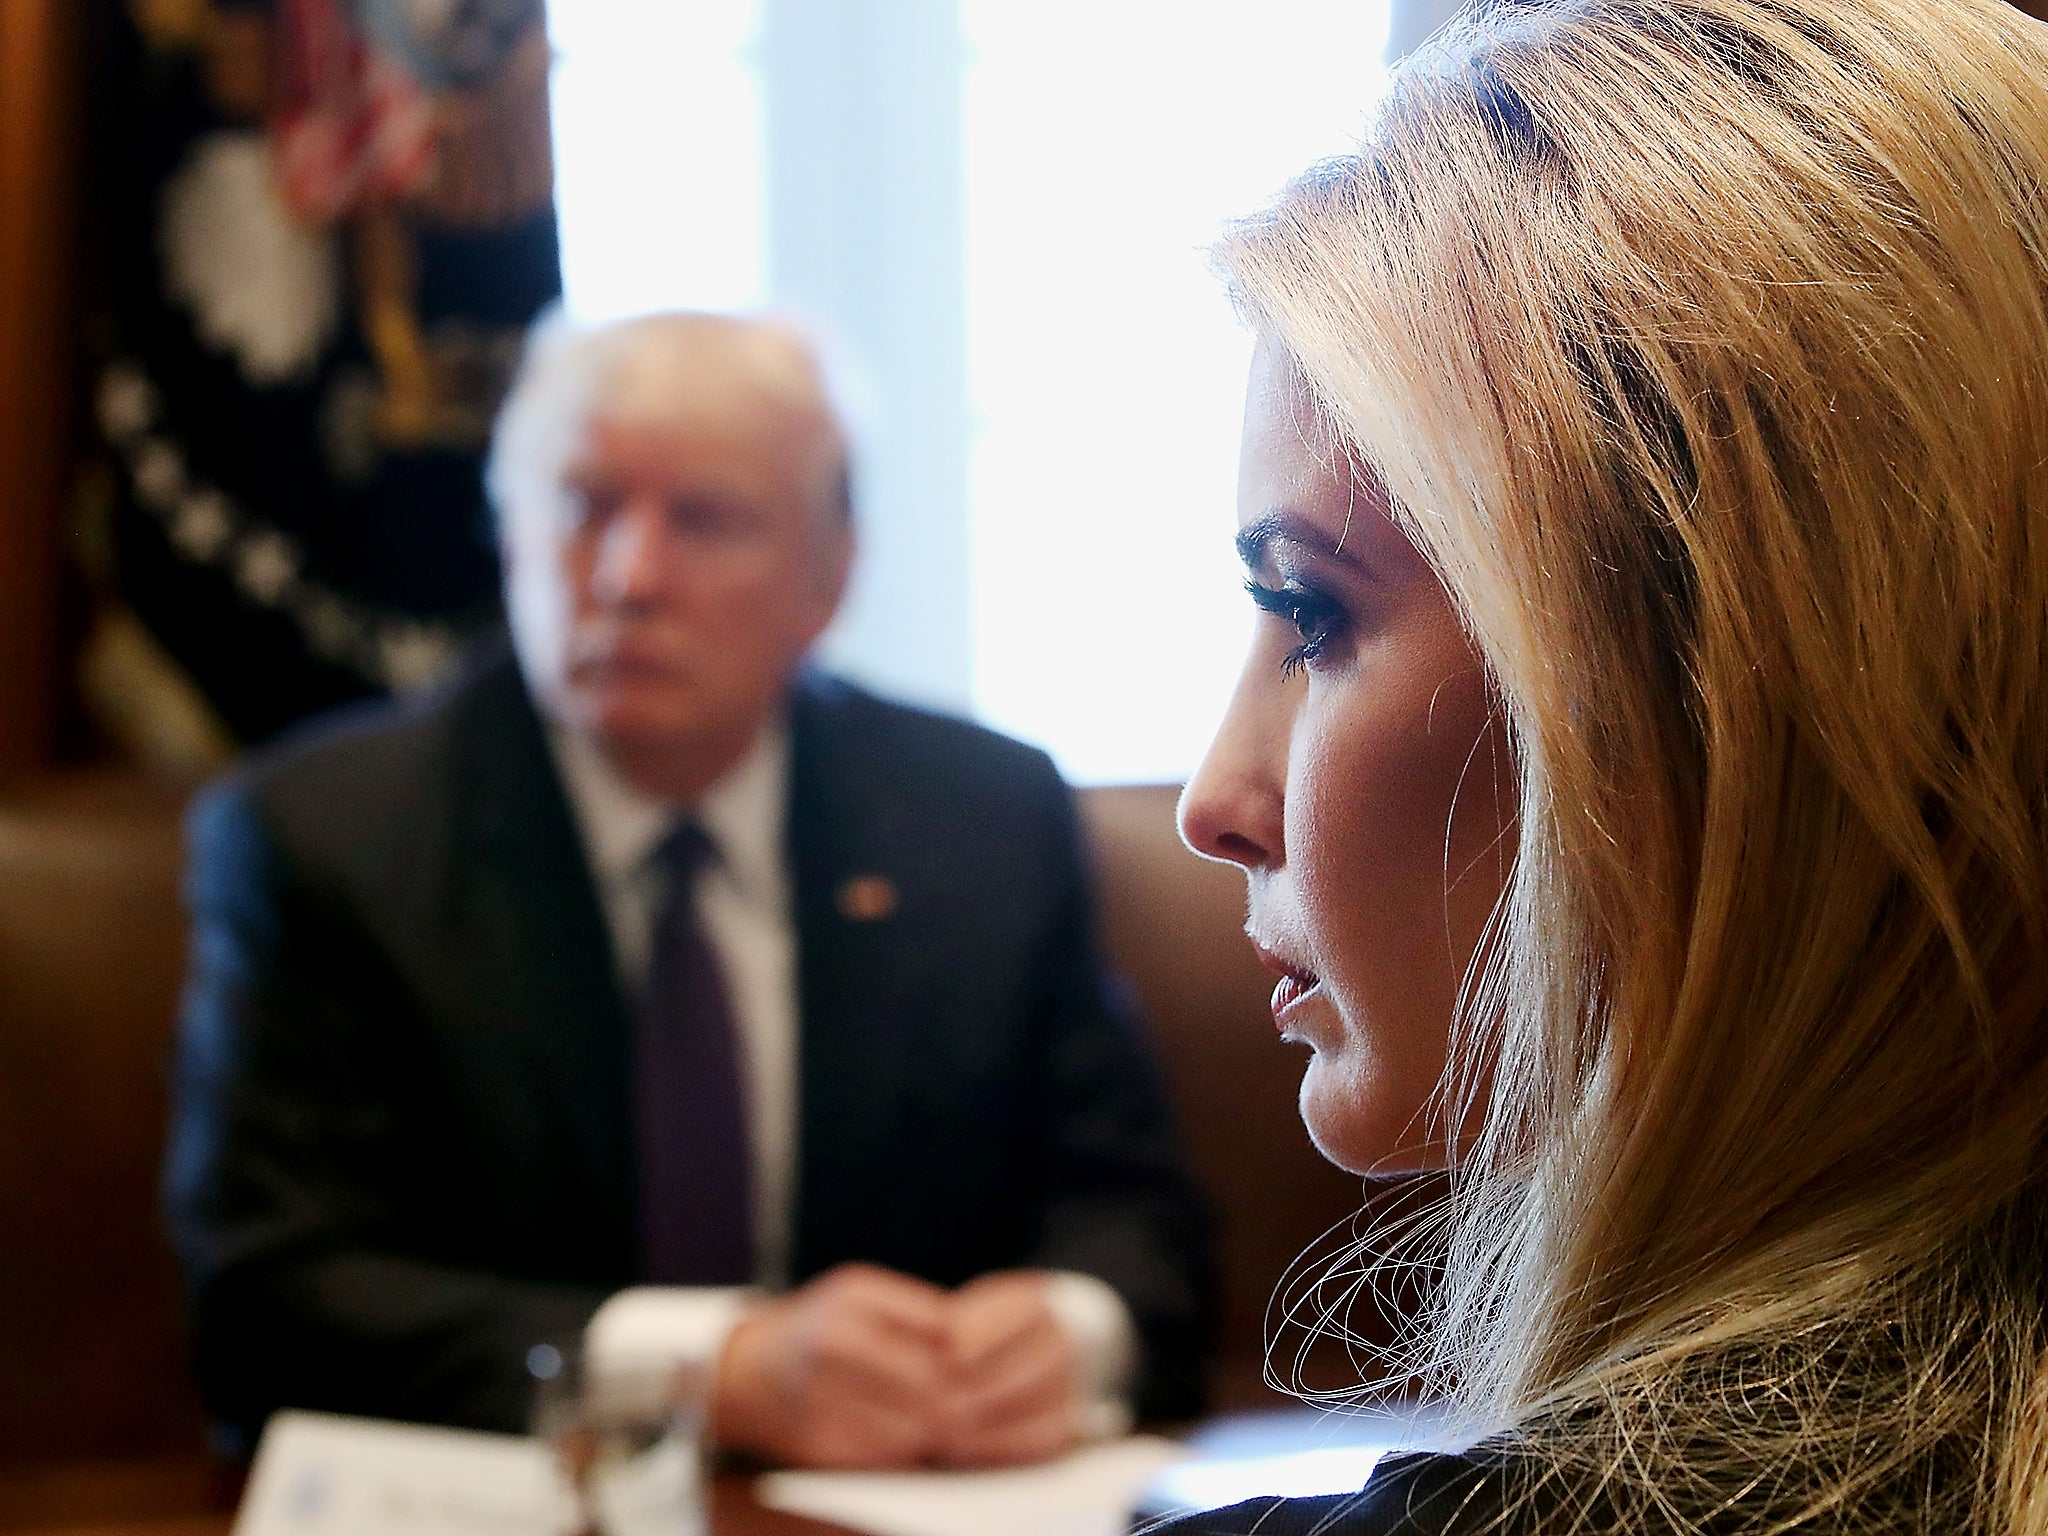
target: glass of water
627 1440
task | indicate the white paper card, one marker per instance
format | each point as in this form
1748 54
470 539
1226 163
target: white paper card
317 1474
1087 1493
650 1494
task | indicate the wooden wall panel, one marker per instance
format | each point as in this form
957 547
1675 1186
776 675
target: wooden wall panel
38 357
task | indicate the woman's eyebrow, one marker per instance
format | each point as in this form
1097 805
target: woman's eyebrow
1283 527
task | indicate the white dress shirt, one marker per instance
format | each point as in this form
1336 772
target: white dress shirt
745 903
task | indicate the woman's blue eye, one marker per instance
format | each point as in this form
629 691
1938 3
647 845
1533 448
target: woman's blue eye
1314 617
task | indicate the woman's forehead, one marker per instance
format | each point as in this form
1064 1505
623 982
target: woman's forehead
1278 388
1294 457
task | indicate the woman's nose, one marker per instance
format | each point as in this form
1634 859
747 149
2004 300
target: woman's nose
1234 807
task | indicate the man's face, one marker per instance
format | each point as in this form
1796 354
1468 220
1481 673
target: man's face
693 555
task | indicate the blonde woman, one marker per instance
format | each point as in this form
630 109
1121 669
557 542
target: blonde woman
1641 770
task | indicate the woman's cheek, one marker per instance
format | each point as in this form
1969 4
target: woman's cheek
1367 810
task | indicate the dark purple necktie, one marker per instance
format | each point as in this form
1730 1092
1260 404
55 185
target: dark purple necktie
696 1184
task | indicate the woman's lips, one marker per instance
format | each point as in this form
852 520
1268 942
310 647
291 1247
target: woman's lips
1295 983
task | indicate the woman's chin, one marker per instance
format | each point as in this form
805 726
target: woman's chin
1355 1123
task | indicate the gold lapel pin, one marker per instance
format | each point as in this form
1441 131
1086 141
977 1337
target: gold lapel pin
867 898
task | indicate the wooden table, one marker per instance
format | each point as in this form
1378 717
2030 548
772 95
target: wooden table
734 1512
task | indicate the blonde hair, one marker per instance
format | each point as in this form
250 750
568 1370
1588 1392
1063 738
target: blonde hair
1703 345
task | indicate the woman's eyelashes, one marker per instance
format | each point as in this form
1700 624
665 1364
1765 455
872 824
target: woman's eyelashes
1315 618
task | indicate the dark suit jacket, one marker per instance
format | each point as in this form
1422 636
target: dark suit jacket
1474 1494
402 1150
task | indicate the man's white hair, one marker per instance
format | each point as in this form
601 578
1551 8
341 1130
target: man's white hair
569 365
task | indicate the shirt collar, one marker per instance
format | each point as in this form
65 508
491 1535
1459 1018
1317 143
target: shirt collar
743 812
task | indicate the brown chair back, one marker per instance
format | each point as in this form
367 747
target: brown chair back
93 1367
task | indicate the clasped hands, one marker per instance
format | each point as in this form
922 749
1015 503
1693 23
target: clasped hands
868 1368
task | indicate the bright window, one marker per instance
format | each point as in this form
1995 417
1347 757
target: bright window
1053 554
657 121
1107 145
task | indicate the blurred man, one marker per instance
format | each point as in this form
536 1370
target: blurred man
657 992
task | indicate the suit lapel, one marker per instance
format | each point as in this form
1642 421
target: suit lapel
525 888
